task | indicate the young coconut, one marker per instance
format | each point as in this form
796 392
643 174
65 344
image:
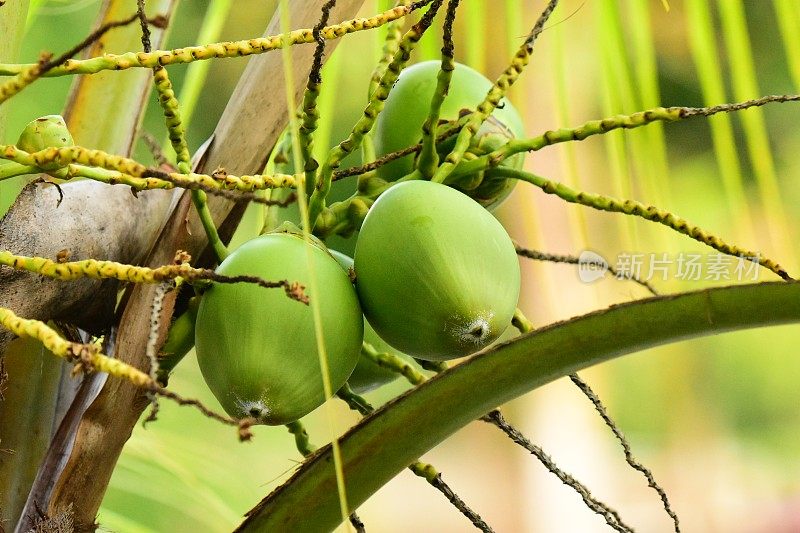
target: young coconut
437 275
44 132
407 108
367 374
257 348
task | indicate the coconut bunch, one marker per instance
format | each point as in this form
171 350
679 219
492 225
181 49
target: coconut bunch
434 277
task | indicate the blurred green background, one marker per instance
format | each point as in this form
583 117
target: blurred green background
716 419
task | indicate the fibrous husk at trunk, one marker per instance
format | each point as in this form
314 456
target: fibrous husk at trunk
43 223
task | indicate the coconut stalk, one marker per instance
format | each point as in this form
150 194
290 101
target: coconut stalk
250 125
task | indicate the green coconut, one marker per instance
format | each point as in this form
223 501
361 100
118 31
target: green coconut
437 275
257 348
44 132
369 375
408 106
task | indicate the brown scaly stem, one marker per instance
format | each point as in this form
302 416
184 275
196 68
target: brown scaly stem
495 418
611 517
357 524
432 476
388 158
574 260
525 326
155 150
151 351
420 469
140 14
626 447
243 425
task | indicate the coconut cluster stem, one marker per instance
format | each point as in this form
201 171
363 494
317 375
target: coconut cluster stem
393 363
177 136
200 200
23 78
301 438
493 97
429 157
87 355
97 269
11 170
374 107
647 212
76 161
602 126
172 116
394 32
220 50
27 74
